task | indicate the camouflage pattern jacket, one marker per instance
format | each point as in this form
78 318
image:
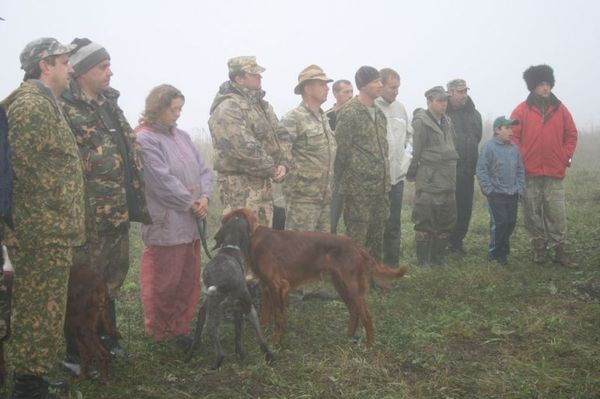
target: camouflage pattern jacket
244 127
433 166
362 150
49 189
310 145
115 190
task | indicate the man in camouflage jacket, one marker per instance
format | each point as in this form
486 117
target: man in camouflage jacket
433 169
113 169
243 127
362 162
309 141
48 212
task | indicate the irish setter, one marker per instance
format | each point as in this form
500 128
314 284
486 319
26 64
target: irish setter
285 260
87 311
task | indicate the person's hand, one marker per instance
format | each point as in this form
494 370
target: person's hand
280 173
200 208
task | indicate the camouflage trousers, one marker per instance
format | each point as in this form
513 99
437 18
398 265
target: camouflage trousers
307 216
244 191
108 256
544 210
434 213
365 217
38 306
4 307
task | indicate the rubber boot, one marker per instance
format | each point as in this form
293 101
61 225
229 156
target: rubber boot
28 386
423 249
539 251
438 251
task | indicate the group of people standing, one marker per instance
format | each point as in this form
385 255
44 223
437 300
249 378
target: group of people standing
82 174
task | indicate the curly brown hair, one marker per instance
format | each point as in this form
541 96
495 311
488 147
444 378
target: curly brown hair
158 101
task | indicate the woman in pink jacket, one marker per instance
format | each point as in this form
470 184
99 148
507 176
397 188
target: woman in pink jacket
178 186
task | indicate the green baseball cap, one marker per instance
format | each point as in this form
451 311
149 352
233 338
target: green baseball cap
502 121
41 48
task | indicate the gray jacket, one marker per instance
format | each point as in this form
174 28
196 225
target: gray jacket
500 168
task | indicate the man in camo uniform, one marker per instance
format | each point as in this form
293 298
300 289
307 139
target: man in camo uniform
48 212
248 156
362 162
113 168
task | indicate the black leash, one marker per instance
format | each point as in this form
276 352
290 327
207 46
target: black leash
202 230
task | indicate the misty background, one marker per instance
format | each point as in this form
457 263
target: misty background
188 43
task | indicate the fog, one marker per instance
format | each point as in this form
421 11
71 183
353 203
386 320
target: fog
188 43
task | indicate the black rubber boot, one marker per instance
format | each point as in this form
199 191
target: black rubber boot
28 386
423 249
438 251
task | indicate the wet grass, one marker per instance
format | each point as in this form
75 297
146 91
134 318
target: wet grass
473 330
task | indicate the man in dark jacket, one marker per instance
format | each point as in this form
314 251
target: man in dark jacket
433 169
546 137
467 127
113 171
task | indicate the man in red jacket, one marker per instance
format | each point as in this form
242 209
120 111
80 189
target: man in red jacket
546 136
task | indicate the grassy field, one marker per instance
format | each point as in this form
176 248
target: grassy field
473 330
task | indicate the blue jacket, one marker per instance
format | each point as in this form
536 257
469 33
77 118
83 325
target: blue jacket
500 168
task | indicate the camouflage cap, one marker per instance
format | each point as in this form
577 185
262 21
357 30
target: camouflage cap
244 64
41 48
437 93
311 72
457 84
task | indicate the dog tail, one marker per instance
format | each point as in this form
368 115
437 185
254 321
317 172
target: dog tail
381 272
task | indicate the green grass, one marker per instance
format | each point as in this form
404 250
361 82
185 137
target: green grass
474 330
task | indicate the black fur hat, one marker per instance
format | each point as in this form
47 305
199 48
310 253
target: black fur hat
534 75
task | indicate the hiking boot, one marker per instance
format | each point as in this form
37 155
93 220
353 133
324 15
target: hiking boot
72 365
114 348
457 248
561 256
29 386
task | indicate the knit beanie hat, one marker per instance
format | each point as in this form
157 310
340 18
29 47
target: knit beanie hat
86 56
534 75
365 75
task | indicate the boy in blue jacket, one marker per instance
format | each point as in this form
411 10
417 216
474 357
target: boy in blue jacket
501 177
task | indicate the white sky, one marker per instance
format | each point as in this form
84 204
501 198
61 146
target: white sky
188 43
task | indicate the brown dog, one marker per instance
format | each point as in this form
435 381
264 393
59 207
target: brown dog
87 311
284 260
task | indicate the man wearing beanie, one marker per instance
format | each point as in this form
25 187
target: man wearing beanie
468 128
433 169
113 168
362 162
546 137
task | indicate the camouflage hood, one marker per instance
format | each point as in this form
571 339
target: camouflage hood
228 88
32 86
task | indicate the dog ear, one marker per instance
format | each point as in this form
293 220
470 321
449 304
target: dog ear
218 239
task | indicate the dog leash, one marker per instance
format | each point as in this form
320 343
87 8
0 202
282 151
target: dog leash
202 230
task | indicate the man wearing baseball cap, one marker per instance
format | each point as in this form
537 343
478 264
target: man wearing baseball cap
433 169
115 186
468 128
243 126
501 176
362 162
48 212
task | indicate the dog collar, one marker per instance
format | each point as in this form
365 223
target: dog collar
231 246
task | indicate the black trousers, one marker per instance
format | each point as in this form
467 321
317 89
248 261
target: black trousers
337 206
392 232
503 218
464 208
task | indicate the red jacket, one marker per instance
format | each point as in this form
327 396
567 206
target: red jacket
547 142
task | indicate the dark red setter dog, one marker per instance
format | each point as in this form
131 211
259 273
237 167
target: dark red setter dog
86 312
285 260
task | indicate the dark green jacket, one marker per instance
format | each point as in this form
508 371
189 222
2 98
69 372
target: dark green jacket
111 156
468 128
433 166
362 152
